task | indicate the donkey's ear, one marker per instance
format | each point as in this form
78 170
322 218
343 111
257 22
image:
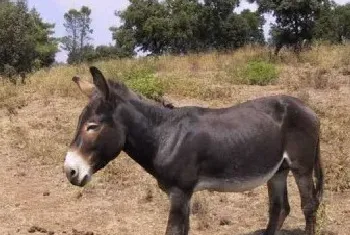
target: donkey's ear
100 82
85 87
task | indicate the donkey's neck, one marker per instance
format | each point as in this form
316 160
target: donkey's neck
142 121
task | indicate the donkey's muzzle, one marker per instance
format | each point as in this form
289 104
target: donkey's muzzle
73 176
77 170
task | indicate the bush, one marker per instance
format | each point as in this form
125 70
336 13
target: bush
259 73
145 82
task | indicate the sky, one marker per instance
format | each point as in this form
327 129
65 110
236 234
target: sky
103 17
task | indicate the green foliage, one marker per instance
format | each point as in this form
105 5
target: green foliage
144 81
342 14
333 24
295 20
255 23
25 40
259 73
223 29
125 41
103 53
147 21
182 26
46 46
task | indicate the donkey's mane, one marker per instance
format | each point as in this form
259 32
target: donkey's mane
122 90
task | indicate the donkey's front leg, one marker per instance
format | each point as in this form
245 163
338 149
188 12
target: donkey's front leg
178 221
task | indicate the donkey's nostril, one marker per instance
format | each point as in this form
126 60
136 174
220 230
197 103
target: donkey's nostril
73 173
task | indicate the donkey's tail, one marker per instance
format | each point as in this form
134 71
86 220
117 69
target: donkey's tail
318 170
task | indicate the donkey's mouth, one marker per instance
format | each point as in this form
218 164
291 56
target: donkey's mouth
85 180
81 183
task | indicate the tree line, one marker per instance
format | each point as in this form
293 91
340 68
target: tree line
166 27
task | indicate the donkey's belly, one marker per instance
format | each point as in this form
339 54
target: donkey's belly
236 184
230 185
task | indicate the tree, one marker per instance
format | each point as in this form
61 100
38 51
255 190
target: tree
343 21
125 41
147 22
220 23
26 41
295 20
333 23
182 26
255 23
100 53
76 43
107 52
46 45
223 29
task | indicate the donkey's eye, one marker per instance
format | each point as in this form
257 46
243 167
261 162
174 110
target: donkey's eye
92 127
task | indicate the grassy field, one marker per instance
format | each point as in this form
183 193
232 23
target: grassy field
38 120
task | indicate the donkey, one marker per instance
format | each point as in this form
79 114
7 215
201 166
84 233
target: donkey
188 149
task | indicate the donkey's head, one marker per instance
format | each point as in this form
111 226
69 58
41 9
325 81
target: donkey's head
100 135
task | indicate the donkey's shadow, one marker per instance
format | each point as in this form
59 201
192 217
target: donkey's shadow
288 232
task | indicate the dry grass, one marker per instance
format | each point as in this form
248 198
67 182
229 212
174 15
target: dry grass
200 210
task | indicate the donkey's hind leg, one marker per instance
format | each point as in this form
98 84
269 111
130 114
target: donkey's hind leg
278 201
309 202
